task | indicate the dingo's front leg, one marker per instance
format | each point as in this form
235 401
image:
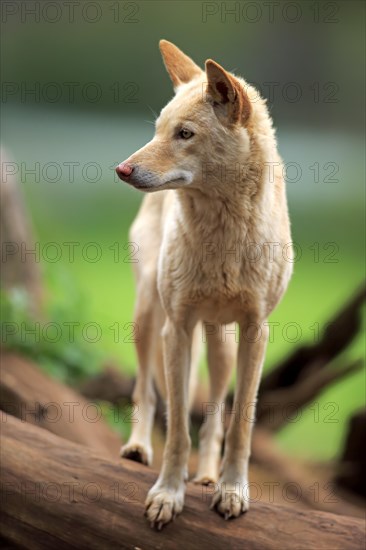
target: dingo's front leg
166 497
232 495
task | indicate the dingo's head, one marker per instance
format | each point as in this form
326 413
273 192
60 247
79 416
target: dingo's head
206 126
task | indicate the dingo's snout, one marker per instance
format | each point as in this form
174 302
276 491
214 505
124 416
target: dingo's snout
137 176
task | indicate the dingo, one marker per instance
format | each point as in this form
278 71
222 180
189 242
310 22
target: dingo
214 155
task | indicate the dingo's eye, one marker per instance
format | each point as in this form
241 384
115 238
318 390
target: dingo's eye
185 134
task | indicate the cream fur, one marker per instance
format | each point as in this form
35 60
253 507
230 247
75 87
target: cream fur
224 196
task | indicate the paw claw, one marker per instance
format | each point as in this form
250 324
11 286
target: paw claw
163 506
229 500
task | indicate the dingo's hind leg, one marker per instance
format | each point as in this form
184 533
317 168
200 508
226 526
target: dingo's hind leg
145 234
221 354
139 447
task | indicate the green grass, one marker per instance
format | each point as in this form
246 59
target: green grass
316 291
103 292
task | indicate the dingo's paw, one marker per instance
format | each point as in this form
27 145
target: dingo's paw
204 480
162 505
230 499
137 452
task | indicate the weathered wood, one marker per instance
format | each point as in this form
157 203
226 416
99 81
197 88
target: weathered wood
306 361
108 385
29 394
277 406
299 477
57 494
19 267
352 465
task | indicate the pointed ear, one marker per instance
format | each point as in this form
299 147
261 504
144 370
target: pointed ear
180 67
227 93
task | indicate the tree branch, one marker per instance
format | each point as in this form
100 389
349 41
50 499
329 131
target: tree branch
56 493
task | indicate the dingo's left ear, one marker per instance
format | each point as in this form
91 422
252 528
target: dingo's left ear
180 67
226 91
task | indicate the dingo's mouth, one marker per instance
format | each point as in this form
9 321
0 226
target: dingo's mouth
153 187
145 180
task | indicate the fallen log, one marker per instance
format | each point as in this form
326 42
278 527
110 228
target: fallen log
29 394
58 494
108 385
306 372
352 464
20 267
276 407
302 478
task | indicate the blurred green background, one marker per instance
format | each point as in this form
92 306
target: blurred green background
80 86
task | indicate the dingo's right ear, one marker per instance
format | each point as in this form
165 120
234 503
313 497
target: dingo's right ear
180 67
227 92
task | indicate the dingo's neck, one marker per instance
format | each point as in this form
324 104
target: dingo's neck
237 206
